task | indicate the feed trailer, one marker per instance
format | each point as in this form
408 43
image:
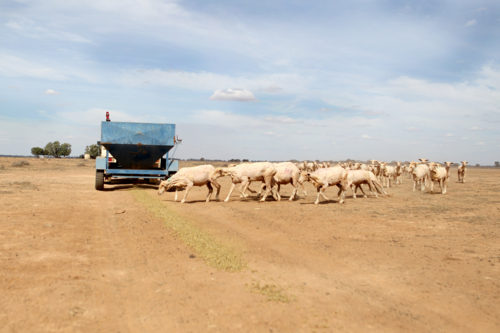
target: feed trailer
136 151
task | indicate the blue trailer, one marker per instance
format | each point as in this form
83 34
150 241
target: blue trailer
136 151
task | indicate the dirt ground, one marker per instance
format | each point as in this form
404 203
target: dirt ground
74 259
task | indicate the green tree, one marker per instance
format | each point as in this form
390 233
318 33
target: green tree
93 151
52 148
57 149
37 151
65 149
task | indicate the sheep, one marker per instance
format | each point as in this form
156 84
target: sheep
448 166
245 173
438 174
386 173
462 170
421 173
398 173
188 177
286 173
357 177
323 178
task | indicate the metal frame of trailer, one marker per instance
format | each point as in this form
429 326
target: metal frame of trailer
136 147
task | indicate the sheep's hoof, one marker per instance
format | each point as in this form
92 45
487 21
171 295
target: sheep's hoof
226 200
364 196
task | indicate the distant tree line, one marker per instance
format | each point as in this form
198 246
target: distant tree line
55 149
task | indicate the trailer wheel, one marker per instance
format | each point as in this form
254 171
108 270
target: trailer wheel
99 180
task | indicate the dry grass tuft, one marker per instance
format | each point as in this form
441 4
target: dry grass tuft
20 163
81 164
215 252
272 292
24 185
2 167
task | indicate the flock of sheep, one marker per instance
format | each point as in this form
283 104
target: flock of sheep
343 175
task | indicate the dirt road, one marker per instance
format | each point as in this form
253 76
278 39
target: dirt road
76 259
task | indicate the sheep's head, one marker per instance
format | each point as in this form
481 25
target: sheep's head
304 176
217 173
399 164
423 160
464 163
448 164
433 166
164 185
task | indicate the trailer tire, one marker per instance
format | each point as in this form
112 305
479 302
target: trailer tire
99 180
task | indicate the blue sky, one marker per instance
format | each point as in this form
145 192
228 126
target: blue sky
277 80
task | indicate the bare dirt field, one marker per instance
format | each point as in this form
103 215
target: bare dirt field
74 259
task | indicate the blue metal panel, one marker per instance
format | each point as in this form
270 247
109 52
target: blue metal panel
100 163
135 133
174 167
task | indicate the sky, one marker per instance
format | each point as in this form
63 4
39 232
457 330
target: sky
258 80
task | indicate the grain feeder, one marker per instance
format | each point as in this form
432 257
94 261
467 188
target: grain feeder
135 151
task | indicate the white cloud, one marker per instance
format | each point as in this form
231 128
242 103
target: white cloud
412 129
470 23
325 110
235 94
28 28
449 134
282 119
481 9
475 128
374 113
272 89
480 143
364 136
51 92
12 66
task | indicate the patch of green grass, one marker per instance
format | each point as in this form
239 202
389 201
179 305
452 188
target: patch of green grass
273 292
216 253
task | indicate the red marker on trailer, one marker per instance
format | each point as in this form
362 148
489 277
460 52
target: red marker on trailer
107 116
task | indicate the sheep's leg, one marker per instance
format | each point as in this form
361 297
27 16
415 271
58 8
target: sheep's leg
320 192
463 177
363 191
217 191
372 186
303 189
294 192
243 187
176 191
210 191
422 184
189 186
230 191
268 179
276 190
341 194
445 183
354 189
260 189
249 189
414 183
